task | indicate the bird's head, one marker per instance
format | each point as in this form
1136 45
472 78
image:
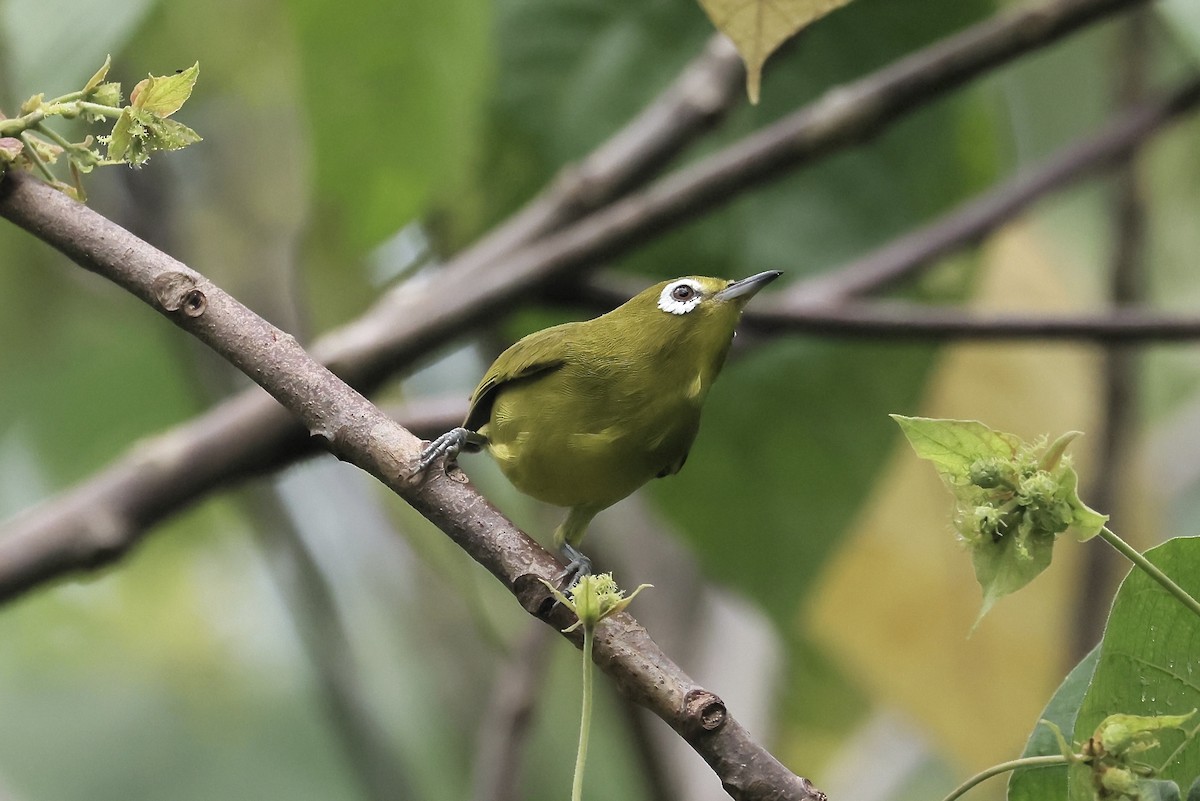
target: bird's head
696 301
693 309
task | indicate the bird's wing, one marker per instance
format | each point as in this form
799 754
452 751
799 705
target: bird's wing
540 352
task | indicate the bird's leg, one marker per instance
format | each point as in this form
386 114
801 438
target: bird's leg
567 537
578 565
449 445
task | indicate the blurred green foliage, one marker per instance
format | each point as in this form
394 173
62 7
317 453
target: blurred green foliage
330 127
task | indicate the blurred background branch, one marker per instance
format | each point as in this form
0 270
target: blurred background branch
249 433
945 146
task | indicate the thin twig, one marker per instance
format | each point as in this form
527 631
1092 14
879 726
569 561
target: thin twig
1101 569
980 216
99 520
357 432
695 102
899 321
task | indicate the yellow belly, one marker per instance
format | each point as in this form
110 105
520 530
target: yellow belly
569 441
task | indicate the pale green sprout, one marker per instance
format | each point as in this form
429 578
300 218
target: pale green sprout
592 599
141 128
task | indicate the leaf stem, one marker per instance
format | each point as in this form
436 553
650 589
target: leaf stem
98 108
70 97
36 159
1004 767
585 719
1133 555
59 139
18 125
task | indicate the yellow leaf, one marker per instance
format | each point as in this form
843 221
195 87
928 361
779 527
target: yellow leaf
163 95
758 27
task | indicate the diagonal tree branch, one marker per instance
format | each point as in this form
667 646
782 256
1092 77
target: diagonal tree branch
977 218
356 431
823 304
97 521
692 105
247 435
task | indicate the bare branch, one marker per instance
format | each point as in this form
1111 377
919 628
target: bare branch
100 519
909 321
977 218
695 102
359 433
819 304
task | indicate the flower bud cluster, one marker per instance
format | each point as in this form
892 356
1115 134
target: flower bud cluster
1015 497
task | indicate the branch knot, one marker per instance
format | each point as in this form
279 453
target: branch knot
175 291
703 711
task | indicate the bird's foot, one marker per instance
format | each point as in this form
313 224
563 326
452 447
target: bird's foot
577 565
448 445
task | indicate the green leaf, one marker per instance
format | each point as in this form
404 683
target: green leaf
954 445
1006 565
32 103
138 134
164 134
1050 783
1149 661
1159 790
758 27
164 95
1012 499
121 139
98 77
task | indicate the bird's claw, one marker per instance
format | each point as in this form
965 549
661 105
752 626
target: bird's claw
448 445
577 565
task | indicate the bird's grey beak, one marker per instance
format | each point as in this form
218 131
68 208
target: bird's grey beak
747 287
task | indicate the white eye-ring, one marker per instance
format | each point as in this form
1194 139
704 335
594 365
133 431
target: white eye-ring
680 297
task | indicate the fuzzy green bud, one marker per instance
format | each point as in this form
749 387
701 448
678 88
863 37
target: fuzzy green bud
989 473
107 94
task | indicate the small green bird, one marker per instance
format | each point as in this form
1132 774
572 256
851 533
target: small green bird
582 414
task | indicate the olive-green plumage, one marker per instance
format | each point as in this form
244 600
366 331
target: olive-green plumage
582 414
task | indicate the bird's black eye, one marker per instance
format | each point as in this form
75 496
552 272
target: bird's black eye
683 292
